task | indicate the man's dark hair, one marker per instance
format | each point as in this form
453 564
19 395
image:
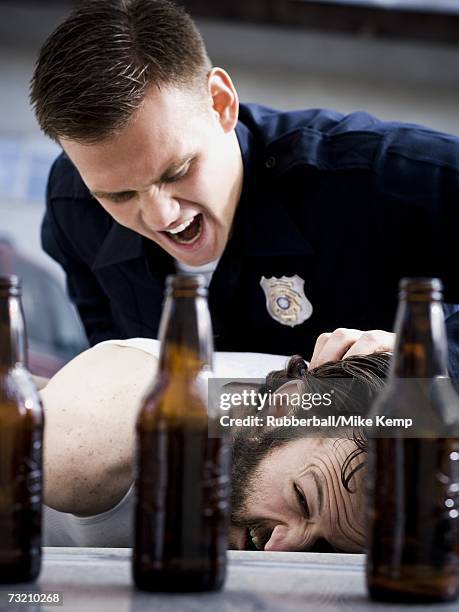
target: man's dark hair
94 70
250 448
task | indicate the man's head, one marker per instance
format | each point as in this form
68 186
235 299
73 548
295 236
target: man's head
297 492
127 89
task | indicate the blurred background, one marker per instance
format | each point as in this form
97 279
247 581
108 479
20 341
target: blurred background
397 59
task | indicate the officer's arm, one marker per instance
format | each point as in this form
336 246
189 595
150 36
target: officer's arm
448 222
452 329
90 410
417 203
83 288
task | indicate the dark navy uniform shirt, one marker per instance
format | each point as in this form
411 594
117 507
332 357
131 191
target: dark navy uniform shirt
349 204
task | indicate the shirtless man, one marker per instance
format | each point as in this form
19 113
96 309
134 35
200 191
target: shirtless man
291 497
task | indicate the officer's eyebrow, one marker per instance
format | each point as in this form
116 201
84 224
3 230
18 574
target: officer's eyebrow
171 170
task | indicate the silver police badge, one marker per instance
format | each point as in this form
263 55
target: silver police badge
285 299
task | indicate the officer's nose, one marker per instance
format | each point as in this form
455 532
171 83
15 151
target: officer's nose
159 210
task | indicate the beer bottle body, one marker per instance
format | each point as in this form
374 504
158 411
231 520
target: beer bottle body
182 486
414 541
413 474
21 437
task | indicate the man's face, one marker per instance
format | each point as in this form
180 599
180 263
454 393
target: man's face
297 502
174 174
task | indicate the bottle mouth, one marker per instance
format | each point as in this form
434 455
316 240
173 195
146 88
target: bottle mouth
10 284
186 285
421 284
422 288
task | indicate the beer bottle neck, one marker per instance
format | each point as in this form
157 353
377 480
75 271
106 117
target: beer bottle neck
421 348
12 332
185 334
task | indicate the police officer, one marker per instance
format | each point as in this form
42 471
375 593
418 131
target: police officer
303 221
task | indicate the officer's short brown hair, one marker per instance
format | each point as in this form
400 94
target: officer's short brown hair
94 70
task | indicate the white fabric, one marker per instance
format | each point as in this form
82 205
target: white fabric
207 270
226 364
111 529
114 528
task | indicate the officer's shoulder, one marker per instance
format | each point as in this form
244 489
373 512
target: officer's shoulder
320 138
271 124
331 140
421 145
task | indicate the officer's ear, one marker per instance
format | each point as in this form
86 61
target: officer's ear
225 101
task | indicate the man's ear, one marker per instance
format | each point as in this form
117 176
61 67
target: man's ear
283 401
238 387
225 101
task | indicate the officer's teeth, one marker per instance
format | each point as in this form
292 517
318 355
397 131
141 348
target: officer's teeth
180 228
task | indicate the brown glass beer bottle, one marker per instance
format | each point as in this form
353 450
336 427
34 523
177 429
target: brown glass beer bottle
182 474
413 473
21 438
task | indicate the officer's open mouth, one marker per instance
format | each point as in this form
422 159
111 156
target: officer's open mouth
188 232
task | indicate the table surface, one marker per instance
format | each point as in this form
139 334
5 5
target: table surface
100 579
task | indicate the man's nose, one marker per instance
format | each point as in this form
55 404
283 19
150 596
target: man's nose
289 538
282 538
159 210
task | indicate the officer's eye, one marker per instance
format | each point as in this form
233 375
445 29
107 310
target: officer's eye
176 177
184 171
120 197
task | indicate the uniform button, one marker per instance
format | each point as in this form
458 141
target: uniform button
270 162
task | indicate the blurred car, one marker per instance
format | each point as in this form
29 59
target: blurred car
54 332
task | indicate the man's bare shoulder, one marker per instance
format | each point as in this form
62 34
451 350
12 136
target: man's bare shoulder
104 365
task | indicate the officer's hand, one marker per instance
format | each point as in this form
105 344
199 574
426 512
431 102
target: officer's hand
346 342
